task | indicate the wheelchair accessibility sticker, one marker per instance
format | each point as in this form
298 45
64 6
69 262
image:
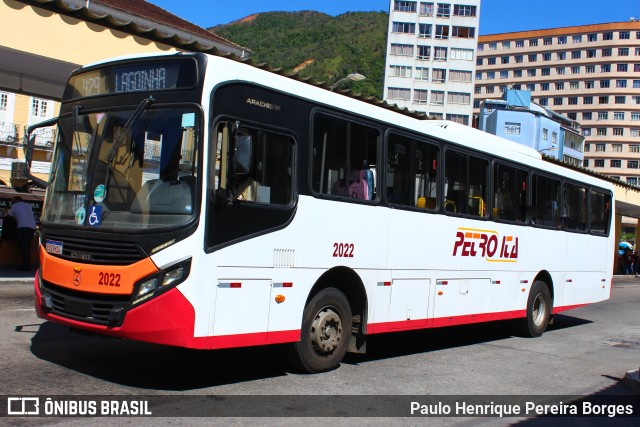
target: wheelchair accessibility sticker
95 215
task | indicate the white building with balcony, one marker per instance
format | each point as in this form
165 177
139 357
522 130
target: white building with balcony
430 62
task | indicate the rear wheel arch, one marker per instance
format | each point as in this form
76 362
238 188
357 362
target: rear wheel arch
545 276
538 310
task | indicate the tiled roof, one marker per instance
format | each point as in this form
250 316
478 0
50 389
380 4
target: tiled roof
150 11
141 18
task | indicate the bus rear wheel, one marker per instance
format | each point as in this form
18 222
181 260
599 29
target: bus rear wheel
326 330
538 311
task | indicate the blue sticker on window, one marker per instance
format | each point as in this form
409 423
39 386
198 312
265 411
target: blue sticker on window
95 215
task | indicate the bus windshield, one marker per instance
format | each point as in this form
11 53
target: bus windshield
133 169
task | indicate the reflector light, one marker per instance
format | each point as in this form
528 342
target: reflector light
569 280
496 282
443 282
287 285
235 285
387 283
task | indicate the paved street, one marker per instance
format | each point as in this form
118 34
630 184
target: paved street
585 352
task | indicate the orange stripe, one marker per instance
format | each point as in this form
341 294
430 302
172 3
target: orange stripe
62 273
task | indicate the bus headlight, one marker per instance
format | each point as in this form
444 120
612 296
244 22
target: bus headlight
173 276
160 282
147 286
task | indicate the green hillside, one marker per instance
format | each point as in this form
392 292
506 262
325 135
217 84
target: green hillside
317 45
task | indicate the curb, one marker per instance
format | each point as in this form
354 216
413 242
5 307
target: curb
632 380
17 276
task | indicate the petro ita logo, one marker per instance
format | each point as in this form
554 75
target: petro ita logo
488 244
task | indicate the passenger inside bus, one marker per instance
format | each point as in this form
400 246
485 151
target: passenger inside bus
356 186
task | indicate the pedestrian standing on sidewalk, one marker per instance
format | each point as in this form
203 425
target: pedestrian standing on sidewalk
628 262
26 226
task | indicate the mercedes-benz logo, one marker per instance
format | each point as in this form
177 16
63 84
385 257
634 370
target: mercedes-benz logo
77 277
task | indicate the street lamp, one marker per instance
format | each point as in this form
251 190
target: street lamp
353 77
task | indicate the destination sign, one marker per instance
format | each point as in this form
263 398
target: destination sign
133 77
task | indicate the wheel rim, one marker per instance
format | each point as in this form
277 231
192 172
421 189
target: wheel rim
326 331
539 310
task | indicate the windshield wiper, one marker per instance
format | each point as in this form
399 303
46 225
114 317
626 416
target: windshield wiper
76 130
122 132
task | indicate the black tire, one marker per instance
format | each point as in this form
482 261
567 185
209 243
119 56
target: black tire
538 311
325 334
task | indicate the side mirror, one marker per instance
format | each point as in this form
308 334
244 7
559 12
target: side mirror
30 147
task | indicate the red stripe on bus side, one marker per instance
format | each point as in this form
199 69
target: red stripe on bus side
567 307
247 340
408 325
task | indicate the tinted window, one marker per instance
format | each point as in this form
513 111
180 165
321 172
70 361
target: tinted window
509 193
545 201
411 172
344 158
465 184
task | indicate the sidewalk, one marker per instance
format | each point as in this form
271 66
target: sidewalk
10 275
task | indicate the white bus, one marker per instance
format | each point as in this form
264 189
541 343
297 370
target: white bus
202 202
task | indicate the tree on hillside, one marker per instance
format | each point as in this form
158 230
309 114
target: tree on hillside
320 46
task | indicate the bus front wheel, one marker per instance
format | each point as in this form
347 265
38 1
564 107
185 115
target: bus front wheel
326 330
538 311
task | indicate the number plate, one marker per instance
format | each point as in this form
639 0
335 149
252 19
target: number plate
53 247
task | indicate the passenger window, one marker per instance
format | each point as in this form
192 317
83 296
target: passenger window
509 193
411 172
465 184
600 212
545 203
345 156
253 165
574 210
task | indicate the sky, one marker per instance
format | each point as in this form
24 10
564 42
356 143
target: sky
496 16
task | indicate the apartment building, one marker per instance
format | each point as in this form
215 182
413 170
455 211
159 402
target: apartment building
430 61
589 74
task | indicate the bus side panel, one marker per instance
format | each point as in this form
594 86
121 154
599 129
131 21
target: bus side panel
543 250
421 239
418 244
586 270
322 234
493 257
288 262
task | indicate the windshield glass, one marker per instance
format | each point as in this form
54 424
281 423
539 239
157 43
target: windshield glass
125 169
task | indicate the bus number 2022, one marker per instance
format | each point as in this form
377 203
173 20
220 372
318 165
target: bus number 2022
343 250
